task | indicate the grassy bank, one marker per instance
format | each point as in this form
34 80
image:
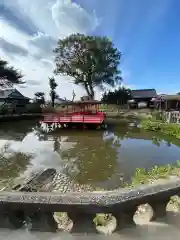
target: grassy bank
143 176
169 129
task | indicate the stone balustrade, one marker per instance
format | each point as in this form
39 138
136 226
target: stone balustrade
171 116
35 209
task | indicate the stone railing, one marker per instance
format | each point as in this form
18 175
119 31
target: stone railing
171 117
36 209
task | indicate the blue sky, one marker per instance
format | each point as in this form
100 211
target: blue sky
147 33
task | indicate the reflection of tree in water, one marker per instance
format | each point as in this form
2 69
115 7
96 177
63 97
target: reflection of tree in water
112 139
42 136
90 156
95 158
11 165
17 128
57 144
156 141
168 143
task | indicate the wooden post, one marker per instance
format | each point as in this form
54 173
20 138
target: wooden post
166 105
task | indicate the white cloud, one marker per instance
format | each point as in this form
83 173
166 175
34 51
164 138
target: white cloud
54 19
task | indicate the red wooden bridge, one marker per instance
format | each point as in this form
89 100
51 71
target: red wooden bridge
84 113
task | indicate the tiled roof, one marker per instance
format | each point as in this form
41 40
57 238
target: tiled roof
143 93
11 93
4 93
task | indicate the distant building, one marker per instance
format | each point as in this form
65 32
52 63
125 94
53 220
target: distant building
142 98
168 102
13 97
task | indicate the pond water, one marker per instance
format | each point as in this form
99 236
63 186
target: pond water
100 158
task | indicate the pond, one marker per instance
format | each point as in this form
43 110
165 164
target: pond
99 158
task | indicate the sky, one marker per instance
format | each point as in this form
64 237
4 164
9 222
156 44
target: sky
147 33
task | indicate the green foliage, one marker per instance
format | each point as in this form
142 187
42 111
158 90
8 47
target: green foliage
9 75
140 177
156 115
53 85
48 109
102 219
91 61
6 109
172 130
151 125
39 97
118 96
33 108
143 176
109 107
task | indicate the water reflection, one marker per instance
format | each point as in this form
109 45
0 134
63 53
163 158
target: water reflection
96 157
12 165
156 141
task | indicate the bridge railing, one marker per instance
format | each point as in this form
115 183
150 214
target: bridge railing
36 209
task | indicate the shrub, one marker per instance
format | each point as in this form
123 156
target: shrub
48 109
33 108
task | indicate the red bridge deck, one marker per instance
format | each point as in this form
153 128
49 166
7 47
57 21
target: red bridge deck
77 118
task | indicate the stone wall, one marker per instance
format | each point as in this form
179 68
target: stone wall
36 209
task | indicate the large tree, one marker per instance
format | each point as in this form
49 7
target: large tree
91 61
53 85
9 75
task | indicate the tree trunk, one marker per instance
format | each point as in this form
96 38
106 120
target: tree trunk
91 91
53 103
90 86
52 98
87 89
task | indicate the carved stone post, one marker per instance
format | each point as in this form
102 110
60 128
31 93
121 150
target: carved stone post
42 221
11 219
159 209
125 219
82 222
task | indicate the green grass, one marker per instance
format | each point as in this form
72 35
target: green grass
169 129
143 176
